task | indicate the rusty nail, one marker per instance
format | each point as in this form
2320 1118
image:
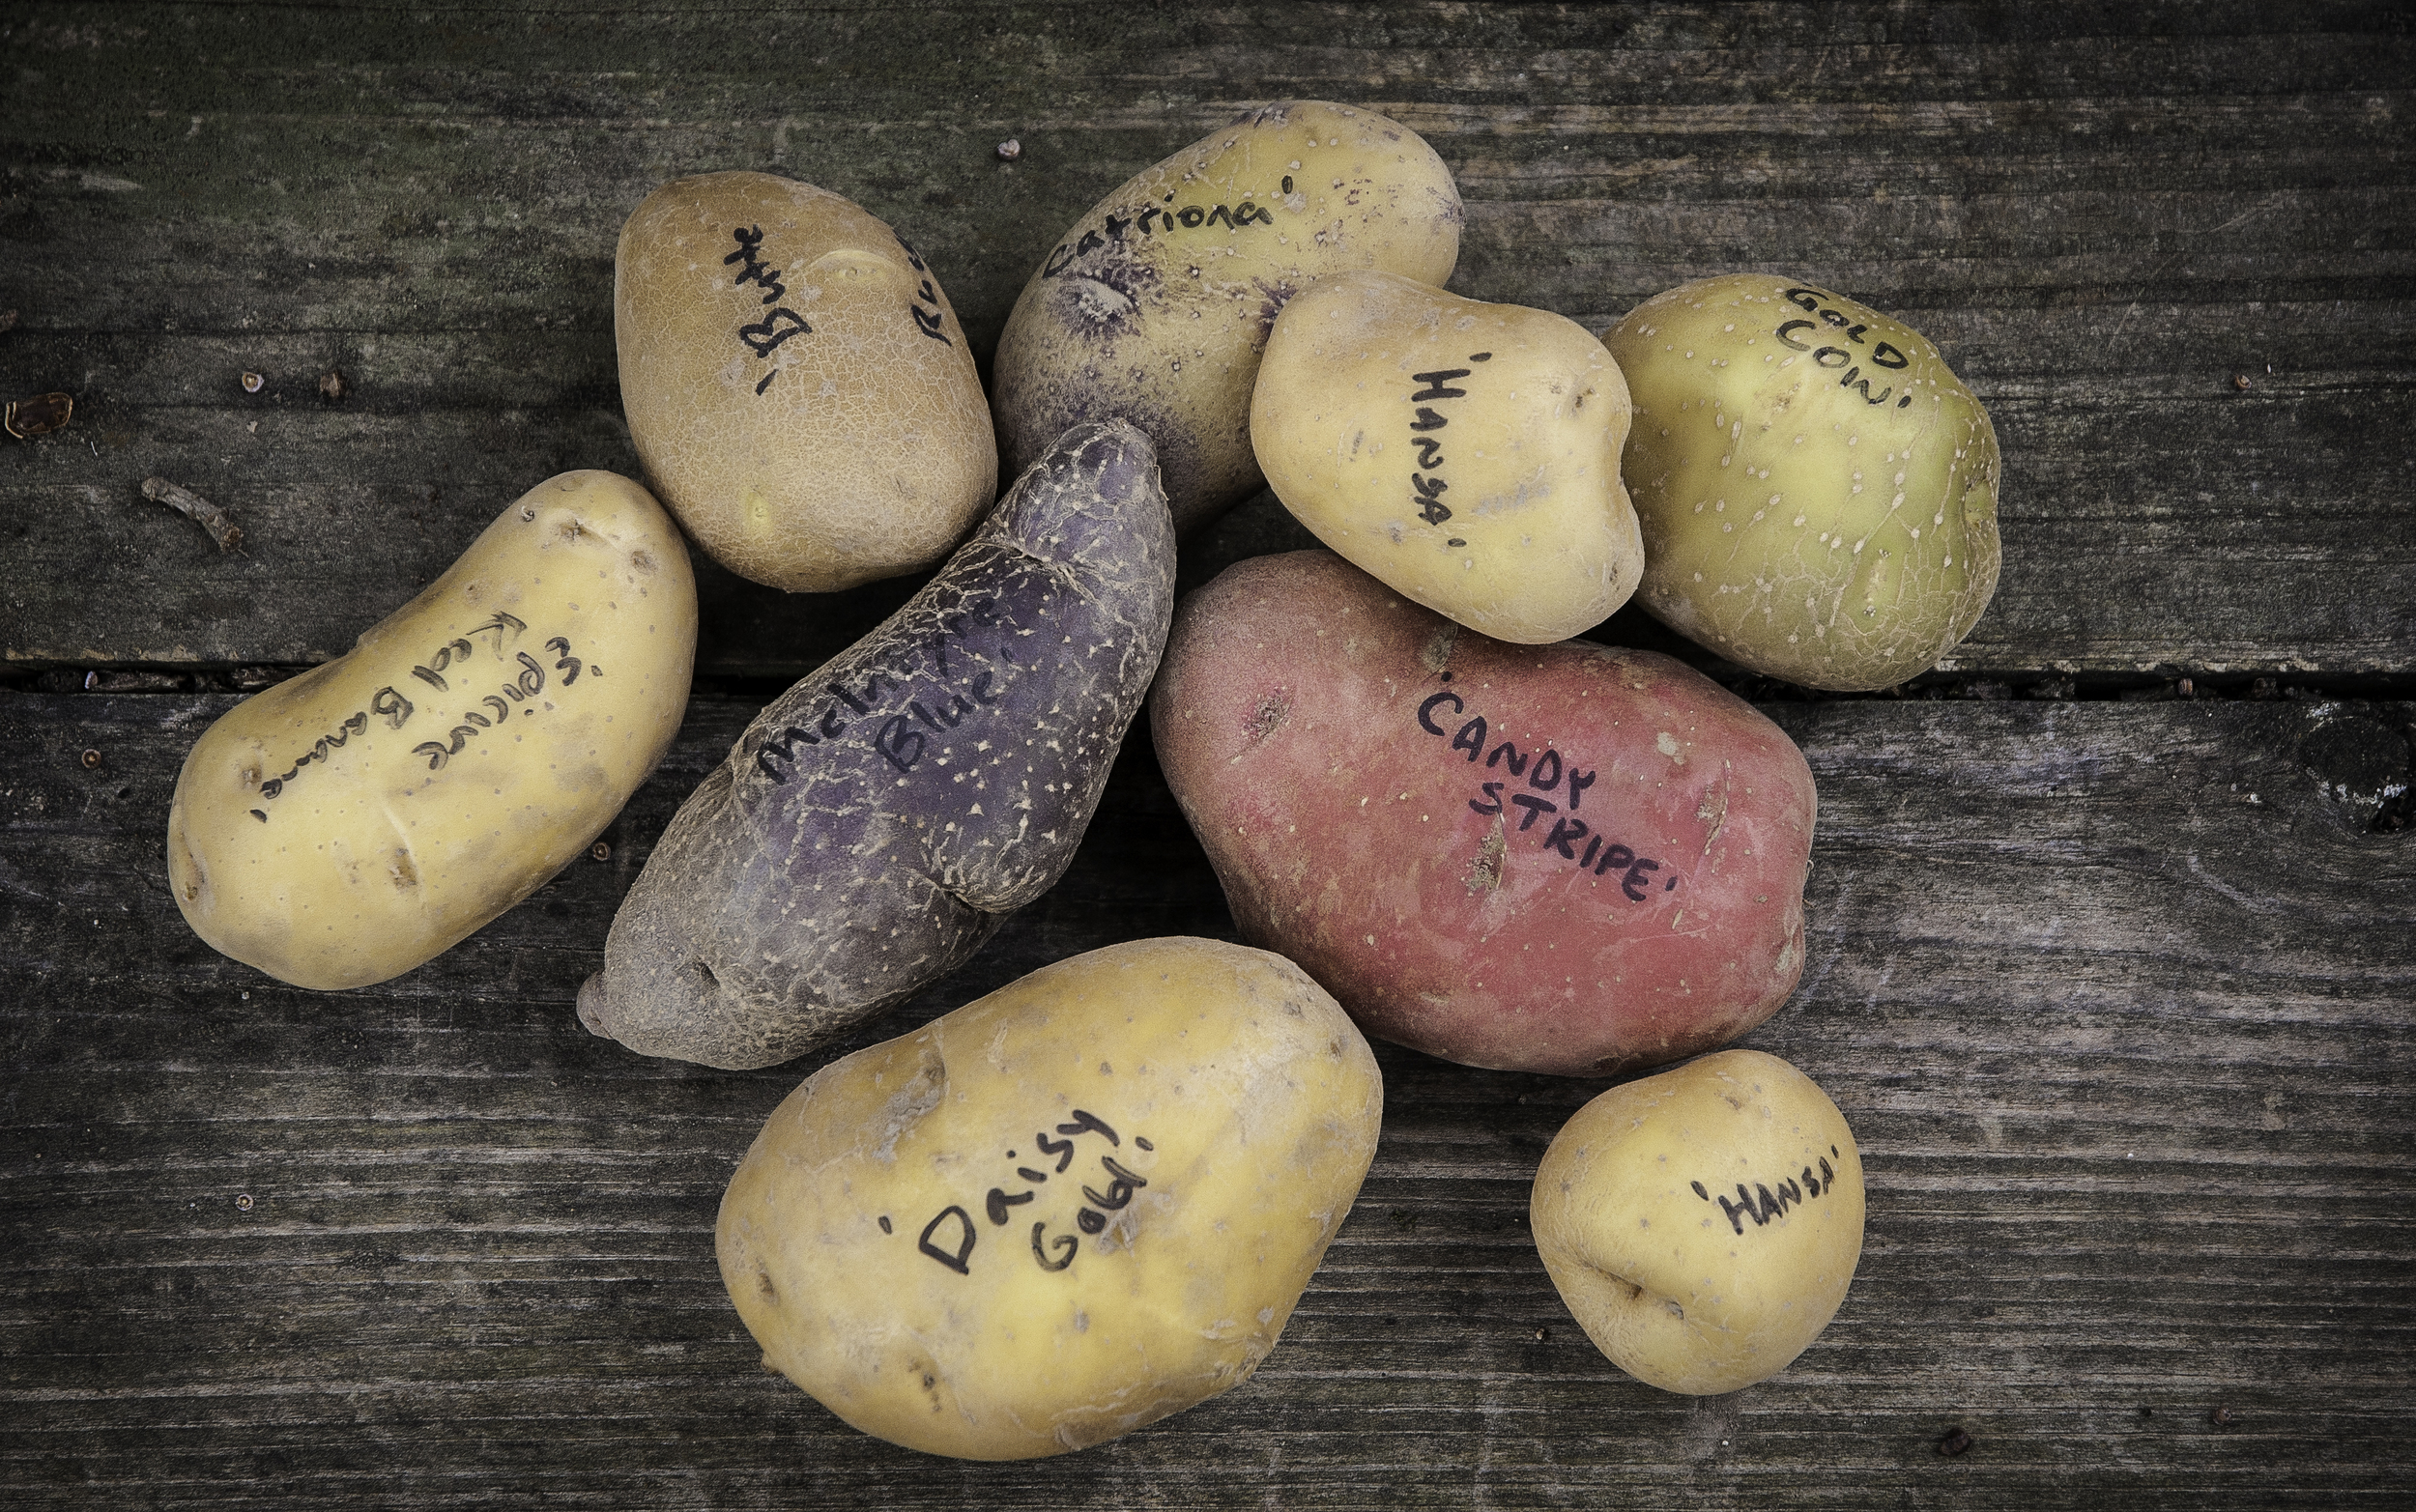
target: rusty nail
1955 1442
2239 379
331 386
243 1203
2221 1417
600 851
1010 150
92 758
252 383
1542 1335
2189 689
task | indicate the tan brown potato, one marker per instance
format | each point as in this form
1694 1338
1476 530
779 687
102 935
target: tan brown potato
796 382
1818 490
342 828
1464 454
1060 1213
1156 305
1703 1224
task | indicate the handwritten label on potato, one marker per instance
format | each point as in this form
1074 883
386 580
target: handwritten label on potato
1551 781
965 688
1766 1201
1425 480
1113 229
952 1234
442 668
924 306
1828 318
764 337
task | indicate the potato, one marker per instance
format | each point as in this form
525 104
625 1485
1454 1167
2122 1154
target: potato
1818 492
1465 454
1682 1285
1060 1213
1156 305
343 827
796 382
871 827
1566 859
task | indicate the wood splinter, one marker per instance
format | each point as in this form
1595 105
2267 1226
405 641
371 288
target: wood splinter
201 511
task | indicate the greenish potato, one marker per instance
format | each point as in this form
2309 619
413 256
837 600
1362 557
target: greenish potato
1703 1224
1062 1211
1156 305
796 382
1818 490
341 828
1464 454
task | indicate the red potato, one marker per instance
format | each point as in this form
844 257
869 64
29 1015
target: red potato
1565 858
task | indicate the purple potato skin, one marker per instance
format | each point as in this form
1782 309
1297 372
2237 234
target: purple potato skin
873 825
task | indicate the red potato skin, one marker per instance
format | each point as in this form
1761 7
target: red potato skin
1296 717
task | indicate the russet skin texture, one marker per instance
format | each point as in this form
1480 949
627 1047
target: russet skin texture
1703 1224
802 399
341 828
1818 490
1573 859
1464 454
908 1239
1156 305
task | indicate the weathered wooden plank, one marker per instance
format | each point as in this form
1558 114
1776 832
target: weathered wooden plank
2103 217
2115 995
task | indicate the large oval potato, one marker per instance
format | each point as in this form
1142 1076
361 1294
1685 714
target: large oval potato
343 827
1465 454
1060 1213
1703 1224
875 823
1818 490
796 382
1568 858
1156 305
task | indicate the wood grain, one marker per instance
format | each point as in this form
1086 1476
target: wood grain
2115 995
2104 216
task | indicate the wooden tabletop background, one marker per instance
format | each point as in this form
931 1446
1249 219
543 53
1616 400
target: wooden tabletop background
2111 929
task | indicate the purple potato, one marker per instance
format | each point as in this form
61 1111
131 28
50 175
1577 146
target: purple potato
875 823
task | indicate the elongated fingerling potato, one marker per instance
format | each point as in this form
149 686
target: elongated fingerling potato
344 827
875 823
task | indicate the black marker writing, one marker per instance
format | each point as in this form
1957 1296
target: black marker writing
1884 354
1768 1200
1543 772
1426 483
965 687
764 337
951 1235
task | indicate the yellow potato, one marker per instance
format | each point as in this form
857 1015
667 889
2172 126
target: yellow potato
796 382
1464 454
342 828
1060 1213
1156 305
1703 1224
1818 490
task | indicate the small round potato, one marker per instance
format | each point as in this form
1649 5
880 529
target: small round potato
1060 1213
1818 490
1156 305
1464 454
796 382
1703 1224
342 828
